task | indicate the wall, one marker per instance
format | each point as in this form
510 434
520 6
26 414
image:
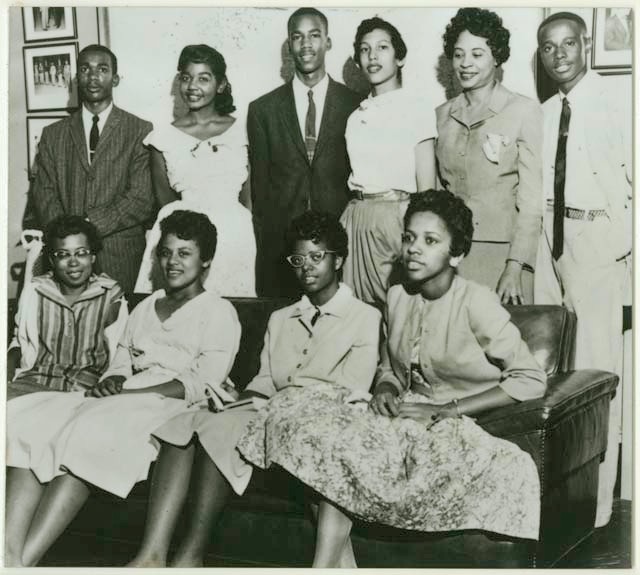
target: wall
252 41
87 26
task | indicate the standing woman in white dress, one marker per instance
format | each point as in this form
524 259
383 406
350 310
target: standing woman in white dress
390 141
200 163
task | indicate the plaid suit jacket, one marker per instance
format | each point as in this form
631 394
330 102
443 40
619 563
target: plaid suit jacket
114 191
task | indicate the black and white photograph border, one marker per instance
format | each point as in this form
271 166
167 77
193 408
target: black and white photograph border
46 23
54 89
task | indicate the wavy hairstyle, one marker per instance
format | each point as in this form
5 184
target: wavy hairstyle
376 23
319 227
456 215
203 54
479 22
64 226
188 225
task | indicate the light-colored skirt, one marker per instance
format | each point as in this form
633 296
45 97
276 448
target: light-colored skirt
218 433
104 441
396 471
374 227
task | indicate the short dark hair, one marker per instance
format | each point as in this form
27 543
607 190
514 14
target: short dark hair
104 50
188 225
319 227
64 226
376 23
479 22
456 215
563 16
300 12
203 54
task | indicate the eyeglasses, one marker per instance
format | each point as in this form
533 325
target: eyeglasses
64 255
298 260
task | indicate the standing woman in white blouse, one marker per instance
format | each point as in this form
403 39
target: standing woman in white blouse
390 141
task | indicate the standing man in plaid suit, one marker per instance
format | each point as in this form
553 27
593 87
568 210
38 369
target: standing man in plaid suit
93 164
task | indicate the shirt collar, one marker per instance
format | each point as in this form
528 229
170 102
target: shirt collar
87 117
584 89
382 100
497 100
337 306
48 287
319 90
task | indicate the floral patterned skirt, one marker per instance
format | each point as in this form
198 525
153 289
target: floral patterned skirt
396 471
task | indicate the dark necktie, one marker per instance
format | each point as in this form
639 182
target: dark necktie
310 128
315 317
94 135
558 180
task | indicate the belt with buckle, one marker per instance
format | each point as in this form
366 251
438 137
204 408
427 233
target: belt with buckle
577 214
389 195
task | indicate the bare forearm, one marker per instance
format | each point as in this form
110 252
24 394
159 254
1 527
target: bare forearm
173 388
474 404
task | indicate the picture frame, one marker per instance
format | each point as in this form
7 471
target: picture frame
612 39
50 73
35 125
45 23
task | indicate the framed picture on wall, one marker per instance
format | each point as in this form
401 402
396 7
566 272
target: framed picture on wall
49 73
612 38
35 125
43 23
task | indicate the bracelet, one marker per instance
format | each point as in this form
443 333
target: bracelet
523 265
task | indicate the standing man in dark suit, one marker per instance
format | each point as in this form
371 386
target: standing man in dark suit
297 149
93 164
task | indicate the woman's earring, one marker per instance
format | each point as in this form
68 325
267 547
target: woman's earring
454 262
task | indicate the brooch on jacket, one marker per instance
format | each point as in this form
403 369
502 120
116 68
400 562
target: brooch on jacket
493 145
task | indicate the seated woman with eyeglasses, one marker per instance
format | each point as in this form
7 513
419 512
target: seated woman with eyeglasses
61 341
328 339
176 351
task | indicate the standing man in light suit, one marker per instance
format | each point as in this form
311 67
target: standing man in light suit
297 150
93 164
584 254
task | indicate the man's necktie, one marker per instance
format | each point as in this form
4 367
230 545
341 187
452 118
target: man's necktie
558 180
94 135
310 128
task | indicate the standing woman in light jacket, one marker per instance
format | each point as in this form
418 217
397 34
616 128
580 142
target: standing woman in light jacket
489 153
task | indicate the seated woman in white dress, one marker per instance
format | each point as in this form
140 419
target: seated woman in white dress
176 353
326 339
200 163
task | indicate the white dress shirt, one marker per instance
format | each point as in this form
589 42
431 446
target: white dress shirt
301 97
87 123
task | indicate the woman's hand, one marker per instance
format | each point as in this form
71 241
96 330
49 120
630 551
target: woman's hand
385 400
510 284
112 385
425 413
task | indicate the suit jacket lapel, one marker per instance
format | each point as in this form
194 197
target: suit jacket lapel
328 118
290 117
109 128
78 138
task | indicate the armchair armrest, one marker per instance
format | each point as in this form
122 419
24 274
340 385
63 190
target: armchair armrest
562 430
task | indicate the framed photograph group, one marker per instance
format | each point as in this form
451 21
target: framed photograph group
49 72
612 39
45 23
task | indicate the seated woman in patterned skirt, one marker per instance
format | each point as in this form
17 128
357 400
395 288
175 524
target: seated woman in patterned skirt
416 459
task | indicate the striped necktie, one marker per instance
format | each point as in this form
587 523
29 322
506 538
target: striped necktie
310 128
